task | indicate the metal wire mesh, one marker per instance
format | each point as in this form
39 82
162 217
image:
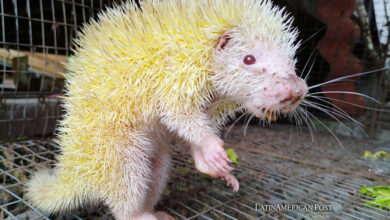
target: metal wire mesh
35 40
271 170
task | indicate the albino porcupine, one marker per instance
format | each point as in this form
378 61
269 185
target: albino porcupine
175 68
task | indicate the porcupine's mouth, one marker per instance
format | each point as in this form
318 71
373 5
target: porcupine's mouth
271 116
283 107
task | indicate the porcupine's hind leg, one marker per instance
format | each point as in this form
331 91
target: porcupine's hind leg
137 173
161 164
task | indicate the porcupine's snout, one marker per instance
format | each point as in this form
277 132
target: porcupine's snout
279 93
290 91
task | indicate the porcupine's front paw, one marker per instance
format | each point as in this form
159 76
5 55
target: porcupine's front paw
212 159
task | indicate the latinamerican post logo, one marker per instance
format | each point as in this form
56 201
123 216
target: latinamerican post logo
315 207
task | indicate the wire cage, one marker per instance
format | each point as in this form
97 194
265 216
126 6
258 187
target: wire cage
284 165
36 39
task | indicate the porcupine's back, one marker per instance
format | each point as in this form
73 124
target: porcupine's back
131 60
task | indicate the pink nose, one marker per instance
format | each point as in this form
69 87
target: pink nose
293 88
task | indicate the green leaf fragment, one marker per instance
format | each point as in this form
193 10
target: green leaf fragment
379 155
232 155
381 195
367 155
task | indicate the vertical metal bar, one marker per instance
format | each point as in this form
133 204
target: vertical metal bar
43 45
56 55
74 28
12 119
92 9
46 118
83 10
54 29
28 9
14 3
30 39
44 51
66 28
4 45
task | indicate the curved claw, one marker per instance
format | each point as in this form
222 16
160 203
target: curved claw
231 180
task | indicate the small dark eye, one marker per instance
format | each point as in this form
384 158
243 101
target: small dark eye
249 59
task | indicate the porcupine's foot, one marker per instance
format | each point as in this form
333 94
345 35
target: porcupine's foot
153 216
163 216
212 159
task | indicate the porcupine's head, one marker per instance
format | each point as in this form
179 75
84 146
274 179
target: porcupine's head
255 65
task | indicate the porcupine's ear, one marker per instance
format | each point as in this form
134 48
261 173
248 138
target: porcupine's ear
223 40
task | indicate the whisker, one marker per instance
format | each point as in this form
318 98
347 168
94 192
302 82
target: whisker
328 113
351 103
348 76
341 113
289 139
232 125
311 121
343 80
298 118
338 111
247 124
345 92
341 144
325 111
299 121
307 62
311 67
302 110
307 39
